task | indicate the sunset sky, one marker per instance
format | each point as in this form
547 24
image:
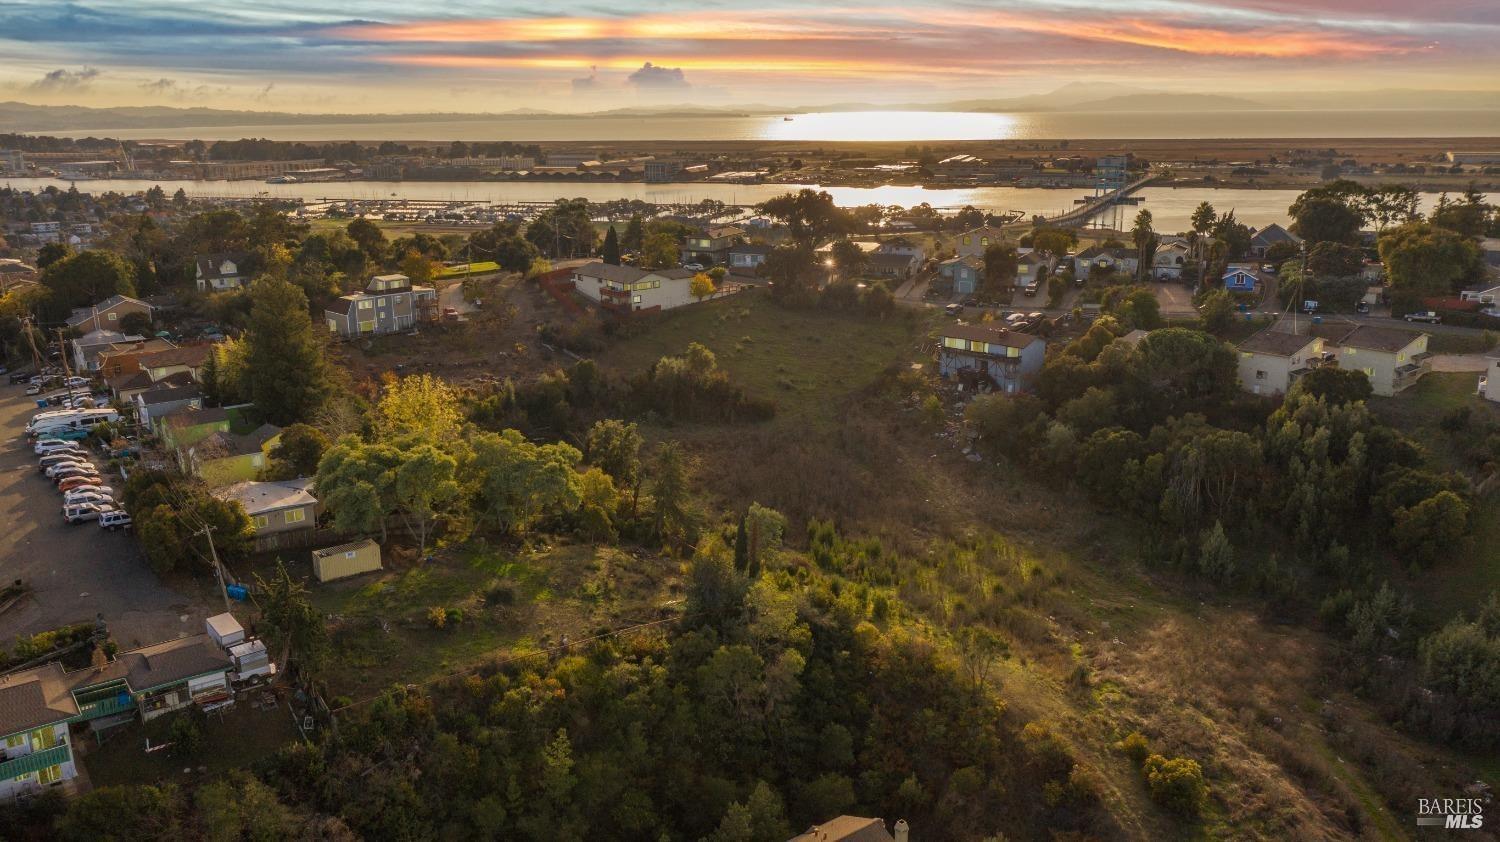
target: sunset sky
385 56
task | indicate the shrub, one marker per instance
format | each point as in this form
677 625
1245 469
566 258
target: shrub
1176 784
1134 746
437 616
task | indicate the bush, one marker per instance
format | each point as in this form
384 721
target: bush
437 616
1176 784
186 736
1134 746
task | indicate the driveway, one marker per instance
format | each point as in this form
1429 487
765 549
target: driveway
1174 299
75 572
1475 363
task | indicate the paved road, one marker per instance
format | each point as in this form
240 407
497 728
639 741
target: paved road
78 571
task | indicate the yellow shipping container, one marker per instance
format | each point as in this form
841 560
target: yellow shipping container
346 560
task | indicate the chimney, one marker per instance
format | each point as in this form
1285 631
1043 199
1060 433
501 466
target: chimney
901 830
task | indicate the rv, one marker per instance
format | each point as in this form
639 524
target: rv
77 419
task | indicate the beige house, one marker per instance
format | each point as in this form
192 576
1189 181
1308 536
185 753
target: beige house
1489 382
1393 359
274 506
1271 361
973 242
346 560
106 315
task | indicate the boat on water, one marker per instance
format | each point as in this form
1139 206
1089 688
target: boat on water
282 179
786 119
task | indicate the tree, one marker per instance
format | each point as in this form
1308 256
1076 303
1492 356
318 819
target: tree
1176 784
1217 311
298 452
291 621
792 271
425 490
504 244
418 267
519 481
1325 221
1000 264
669 492
1146 241
848 258
763 529
1055 242
86 278
1139 309
1334 385
284 366
51 253
356 482
421 407
659 251
369 237
635 234
611 251
1423 260
1336 260
1432 528
1469 216
810 215
135 323
1203 218
701 286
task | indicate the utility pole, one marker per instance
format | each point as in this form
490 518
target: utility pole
207 532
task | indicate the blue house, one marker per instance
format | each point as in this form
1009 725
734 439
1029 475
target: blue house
1240 279
963 272
1006 358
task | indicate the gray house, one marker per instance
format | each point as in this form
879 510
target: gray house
388 305
1006 358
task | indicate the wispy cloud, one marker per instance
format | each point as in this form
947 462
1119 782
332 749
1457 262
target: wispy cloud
65 80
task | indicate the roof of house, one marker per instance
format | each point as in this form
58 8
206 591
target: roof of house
1276 343
169 394
105 337
1274 233
983 231
173 660
192 356
209 264
719 231
1100 251
895 261
33 698
611 272
1367 337
260 497
1135 336
138 379
83 314
224 443
989 334
846 829
750 248
199 417
973 261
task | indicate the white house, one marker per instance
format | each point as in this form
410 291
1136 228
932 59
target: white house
627 289
1272 360
219 272
1101 259
1491 375
1169 260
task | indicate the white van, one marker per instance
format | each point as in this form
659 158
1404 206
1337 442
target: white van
84 511
115 520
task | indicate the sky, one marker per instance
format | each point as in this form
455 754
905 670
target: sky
382 56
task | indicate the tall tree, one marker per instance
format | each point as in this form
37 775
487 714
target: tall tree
635 234
86 278
1000 264
285 369
290 619
611 251
669 493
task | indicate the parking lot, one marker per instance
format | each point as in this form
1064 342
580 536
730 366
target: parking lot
75 572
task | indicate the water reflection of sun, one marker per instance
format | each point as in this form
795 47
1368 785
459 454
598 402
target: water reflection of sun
891 125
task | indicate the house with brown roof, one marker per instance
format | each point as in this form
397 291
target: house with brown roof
126 359
1272 360
225 457
1007 359
1392 358
853 829
219 272
106 315
189 359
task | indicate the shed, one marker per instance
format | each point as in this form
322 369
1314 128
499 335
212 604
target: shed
225 629
346 560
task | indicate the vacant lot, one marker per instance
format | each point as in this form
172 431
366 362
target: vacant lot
805 360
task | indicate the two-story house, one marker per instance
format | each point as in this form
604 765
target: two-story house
964 271
220 272
1006 358
710 246
1168 262
390 304
1031 268
1271 361
973 242
1393 359
106 315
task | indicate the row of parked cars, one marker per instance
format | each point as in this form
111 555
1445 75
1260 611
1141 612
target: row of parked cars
77 478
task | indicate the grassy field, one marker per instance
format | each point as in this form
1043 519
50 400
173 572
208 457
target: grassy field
237 738
803 360
1463 343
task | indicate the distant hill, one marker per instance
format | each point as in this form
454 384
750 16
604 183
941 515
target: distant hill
1149 102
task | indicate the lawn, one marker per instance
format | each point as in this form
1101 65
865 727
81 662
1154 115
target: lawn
478 267
804 360
236 738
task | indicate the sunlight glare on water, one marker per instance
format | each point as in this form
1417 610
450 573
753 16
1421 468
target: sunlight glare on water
892 125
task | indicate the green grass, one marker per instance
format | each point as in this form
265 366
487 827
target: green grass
804 360
480 267
1463 343
238 739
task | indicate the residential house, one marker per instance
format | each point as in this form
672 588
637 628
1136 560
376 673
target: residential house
1262 239
748 257
974 241
1490 376
1031 267
1488 299
711 245
1007 358
188 359
1168 263
274 507
628 289
1393 359
893 265
164 399
220 272
853 829
1240 279
226 457
106 315
1272 360
184 428
87 349
964 271
38 705
390 304
904 246
1100 259
125 360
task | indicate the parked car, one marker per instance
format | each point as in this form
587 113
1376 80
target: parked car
76 381
86 486
954 309
47 462
115 520
1427 316
84 511
80 482
73 498
695 267
34 389
20 377
47 447
58 473
1362 307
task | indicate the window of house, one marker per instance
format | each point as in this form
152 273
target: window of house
637 299
43 739
966 240
296 516
15 741
49 775
113 316
366 305
262 521
984 241
1260 375
257 460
